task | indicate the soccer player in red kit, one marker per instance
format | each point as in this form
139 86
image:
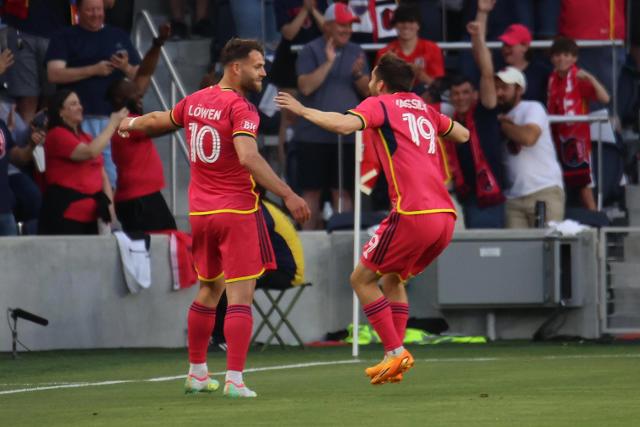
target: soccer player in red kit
231 246
422 218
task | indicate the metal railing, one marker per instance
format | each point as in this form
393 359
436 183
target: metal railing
143 20
619 287
535 44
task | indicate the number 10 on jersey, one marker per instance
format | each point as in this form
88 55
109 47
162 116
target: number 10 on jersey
197 145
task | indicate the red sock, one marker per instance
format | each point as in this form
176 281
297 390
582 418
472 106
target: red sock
200 323
379 315
238 324
400 314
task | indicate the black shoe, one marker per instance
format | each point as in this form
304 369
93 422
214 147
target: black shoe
178 30
202 28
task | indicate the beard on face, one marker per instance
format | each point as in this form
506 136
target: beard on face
506 106
250 85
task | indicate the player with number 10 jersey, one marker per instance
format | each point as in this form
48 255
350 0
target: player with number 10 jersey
212 117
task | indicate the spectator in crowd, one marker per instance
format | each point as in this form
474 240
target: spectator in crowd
10 152
570 91
25 190
300 21
255 19
477 169
424 56
596 20
540 16
31 25
87 58
139 203
77 190
201 26
516 53
119 13
374 20
332 75
532 171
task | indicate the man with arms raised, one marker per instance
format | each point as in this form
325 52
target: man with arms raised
421 221
231 247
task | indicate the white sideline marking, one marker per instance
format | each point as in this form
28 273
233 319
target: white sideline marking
573 356
176 377
313 364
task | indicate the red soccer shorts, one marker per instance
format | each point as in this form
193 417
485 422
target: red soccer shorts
407 244
234 245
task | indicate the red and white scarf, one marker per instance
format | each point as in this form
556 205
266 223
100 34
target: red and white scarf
572 140
488 192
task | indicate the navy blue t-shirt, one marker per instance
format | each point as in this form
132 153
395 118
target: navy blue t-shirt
44 19
78 48
6 144
336 93
285 12
537 75
488 130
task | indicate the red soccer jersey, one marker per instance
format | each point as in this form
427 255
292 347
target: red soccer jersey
211 118
139 165
427 55
84 177
406 139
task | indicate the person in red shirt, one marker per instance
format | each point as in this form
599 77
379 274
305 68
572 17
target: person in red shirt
570 90
422 217
139 203
77 189
424 56
231 246
597 20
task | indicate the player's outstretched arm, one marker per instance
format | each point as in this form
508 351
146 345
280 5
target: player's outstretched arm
153 124
250 158
343 124
458 133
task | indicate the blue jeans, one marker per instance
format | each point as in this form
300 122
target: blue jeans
93 125
8 225
477 217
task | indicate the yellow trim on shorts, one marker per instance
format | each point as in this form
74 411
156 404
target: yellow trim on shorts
234 211
254 276
204 279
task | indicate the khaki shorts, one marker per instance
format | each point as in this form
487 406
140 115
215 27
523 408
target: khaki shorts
521 211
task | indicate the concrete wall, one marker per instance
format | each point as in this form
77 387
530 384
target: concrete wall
77 283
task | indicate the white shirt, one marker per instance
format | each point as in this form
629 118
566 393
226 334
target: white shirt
536 167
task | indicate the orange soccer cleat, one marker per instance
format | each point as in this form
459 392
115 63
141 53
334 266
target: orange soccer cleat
391 368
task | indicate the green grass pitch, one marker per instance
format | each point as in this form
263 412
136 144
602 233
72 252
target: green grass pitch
502 384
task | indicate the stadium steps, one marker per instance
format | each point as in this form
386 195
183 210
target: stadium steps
191 61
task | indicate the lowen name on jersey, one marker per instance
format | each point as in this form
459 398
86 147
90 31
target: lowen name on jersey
204 113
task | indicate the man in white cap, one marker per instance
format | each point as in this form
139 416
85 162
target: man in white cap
532 171
333 75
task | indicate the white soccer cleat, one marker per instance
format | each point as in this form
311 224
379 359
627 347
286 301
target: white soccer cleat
232 389
194 385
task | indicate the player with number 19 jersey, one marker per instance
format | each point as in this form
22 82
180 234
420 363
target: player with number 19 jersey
211 118
406 143
230 237
420 225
